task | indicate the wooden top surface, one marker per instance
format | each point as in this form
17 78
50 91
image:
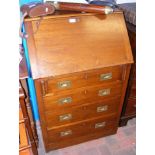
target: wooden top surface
59 46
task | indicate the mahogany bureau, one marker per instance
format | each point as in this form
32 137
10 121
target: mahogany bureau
80 64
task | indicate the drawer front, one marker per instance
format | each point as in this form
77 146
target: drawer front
81 128
79 113
131 107
82 79
84 138
81 96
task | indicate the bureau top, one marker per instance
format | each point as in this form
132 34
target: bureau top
70 43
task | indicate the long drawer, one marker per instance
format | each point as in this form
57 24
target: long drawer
72 81
77 129
81 96
80 139
79 113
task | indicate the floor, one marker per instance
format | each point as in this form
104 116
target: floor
122 143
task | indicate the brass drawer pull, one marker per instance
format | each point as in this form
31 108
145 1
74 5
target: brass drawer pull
100 125
102 108
104 92
64 84
65 100
66 133
106 76
65 117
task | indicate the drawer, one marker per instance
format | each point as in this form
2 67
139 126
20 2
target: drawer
81 79
77 129
81 96
131 107
80 139
79 113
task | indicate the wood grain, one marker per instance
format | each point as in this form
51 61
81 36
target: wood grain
78 48
81 128
83 112
82 79
81 96
73 47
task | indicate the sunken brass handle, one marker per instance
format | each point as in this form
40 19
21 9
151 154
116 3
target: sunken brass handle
100 125
64 84
65 117
102 108
65 100
66 133
106 76
104 92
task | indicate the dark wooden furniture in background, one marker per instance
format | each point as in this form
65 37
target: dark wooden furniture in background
80 65
129 107
27 137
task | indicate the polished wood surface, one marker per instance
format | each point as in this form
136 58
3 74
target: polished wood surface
81 138
80 7
55 48
82 79
29 108
79 113
82 95
26 138
80 70
23 141
81 128
26 152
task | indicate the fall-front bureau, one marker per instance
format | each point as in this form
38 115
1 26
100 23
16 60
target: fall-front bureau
80 65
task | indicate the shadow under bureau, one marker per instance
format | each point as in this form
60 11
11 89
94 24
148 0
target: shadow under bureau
80 65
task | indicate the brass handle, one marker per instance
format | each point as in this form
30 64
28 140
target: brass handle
102 108
106 76
104 92
100 125
64 84
65 117
66 133
65 100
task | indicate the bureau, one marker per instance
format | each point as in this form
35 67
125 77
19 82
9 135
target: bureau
80 64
